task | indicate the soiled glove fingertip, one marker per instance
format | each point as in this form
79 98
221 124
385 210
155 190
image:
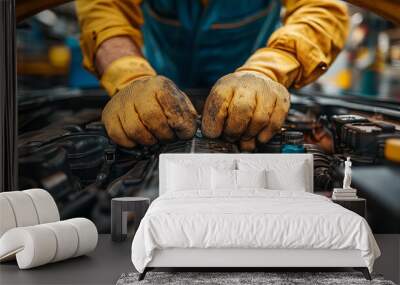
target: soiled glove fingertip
188 131
248 145
210 132
264 136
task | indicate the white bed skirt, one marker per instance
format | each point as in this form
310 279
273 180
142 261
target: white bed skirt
192 257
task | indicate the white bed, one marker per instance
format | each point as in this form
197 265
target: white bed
248 227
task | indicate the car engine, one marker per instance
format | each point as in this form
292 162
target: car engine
63 146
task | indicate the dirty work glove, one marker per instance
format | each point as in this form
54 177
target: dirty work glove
243 106
145 108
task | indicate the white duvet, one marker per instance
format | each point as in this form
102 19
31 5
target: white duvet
253 218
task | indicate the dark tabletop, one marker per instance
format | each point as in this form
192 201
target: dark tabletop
102 266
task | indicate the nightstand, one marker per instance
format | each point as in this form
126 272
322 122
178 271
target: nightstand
120 207
357 205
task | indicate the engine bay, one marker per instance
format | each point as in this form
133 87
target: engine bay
63 146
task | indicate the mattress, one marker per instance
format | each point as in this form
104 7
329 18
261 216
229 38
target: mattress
251 219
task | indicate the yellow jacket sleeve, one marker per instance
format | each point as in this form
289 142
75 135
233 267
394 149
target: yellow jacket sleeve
104 19
313 34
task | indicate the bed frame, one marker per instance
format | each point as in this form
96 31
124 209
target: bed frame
242 259
249 259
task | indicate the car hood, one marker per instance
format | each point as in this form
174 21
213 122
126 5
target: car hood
27 8
386 8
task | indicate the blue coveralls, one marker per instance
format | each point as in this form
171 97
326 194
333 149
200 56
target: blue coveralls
195 45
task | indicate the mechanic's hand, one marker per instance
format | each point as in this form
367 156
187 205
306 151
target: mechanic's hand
148 110
245 105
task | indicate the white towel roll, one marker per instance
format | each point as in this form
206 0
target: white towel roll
45 205
23 208
7 218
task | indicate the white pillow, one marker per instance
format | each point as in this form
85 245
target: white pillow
251 178
223 179
204 162
182 177
282 173
293 180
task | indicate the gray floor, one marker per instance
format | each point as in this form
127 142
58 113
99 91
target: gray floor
103 266
106 264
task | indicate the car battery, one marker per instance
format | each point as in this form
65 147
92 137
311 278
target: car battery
362 137
338 121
